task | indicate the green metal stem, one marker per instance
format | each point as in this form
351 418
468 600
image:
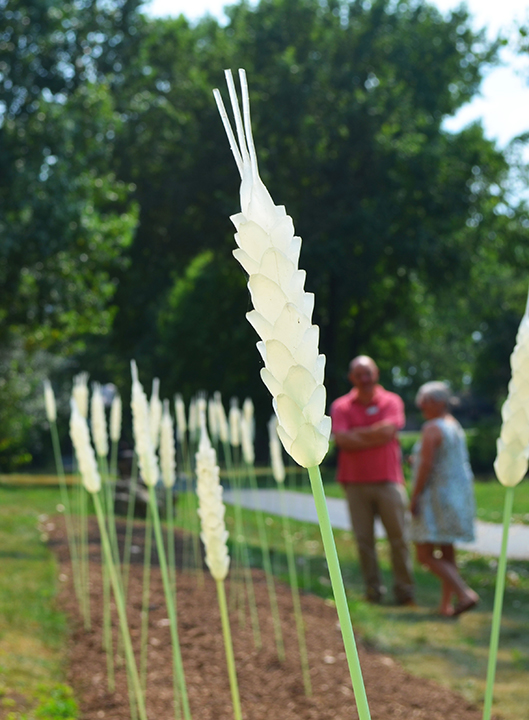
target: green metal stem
65 499
293 579
120 605
129 524
240 538
109 507
146 590
339 593
263 539
169 515
195 533
498 604
114 460
107 625
170 601
305 483
228 647
85 568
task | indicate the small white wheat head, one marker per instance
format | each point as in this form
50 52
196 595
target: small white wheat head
269 252
222 420
145 452
210 507
98 421
234 420
513 444
167 447
248 452
155 412
213 420
80 392
49 402
248 413
201 408
193 419
116 412
84 452
181 420
276 454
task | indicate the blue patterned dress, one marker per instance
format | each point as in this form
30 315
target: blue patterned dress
446 504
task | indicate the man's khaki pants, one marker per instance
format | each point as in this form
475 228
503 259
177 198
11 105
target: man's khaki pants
387 500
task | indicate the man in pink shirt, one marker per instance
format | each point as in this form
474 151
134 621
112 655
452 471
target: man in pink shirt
365 423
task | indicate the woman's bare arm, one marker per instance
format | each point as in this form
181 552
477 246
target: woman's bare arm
431 439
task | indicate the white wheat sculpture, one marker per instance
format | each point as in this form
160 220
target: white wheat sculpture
167 447
98 421
269 252
84 452
80 392
147 460
513 443
49 402
211 507
116 412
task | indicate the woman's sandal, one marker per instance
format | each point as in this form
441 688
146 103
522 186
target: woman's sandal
464 606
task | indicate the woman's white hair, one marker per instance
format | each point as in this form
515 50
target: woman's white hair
435 390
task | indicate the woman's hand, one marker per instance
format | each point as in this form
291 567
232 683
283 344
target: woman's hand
415 505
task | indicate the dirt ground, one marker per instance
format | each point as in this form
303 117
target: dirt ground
269 690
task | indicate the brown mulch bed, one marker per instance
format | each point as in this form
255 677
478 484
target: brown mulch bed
269 690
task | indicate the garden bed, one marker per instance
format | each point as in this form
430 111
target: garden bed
269 690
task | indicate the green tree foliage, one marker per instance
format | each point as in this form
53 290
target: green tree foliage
398 216
193 324
64 216
412 243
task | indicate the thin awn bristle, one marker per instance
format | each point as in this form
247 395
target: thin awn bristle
248 122
237 115
229 132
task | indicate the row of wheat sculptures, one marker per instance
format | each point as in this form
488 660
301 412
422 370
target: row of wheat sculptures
293 372
152 427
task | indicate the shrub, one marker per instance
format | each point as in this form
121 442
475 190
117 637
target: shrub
482 445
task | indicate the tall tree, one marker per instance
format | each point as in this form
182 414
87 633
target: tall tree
64 216
348 103
65 219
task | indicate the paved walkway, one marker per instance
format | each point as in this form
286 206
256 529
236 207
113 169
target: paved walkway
300 506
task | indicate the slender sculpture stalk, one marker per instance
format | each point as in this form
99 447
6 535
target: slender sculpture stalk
65 499
267 565
85 455
120 605
214 535
146 589
340 598
169 518
85 567
131 506
298 615
498 604
170 601
294 369
228 647
510 467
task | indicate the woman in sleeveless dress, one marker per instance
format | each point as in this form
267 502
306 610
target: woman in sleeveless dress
442 502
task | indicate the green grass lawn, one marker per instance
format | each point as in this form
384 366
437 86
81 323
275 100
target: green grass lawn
32 632
452 652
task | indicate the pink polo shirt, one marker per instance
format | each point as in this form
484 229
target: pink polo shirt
372 464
